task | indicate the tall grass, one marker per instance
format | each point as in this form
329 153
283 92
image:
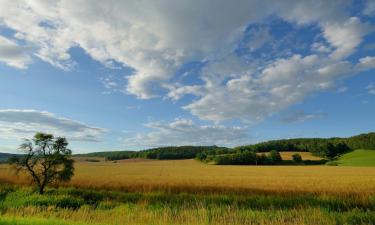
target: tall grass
103 207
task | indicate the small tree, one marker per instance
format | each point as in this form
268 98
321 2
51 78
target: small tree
275 156
297 158
47 160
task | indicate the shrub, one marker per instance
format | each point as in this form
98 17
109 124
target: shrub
275 156
297 158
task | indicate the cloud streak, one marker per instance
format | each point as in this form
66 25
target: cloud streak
186 132
18 123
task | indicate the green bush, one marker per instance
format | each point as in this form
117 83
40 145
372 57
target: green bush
297 158
275 156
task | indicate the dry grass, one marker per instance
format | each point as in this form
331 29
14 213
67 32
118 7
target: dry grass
288 155
193 176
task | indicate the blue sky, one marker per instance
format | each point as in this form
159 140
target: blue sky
119 75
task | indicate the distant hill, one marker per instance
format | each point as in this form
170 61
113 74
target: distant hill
358 157
171 152
5 156
322 147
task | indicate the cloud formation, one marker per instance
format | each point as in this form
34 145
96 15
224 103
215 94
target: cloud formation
301 116
13 54
186 132
157 38
371 88
17 123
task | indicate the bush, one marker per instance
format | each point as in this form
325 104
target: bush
297 158
332 163
275 156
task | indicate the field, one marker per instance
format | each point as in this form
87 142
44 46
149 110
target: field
190 192
358 157
304 155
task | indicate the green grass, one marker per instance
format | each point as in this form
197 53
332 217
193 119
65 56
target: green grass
23 206
358 157
35 221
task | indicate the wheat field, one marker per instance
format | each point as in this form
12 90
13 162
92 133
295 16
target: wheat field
193 176
189 192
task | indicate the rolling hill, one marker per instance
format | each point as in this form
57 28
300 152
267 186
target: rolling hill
358 157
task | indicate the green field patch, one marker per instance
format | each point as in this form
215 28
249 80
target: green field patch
358 157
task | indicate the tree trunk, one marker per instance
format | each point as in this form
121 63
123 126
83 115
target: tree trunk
41 190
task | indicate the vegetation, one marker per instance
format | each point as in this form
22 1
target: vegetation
4 157
297 158
324 147
88 206
193 176
189 192
46 160
358 157
162 153
329 148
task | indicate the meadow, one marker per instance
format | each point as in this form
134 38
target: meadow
139 191
358 157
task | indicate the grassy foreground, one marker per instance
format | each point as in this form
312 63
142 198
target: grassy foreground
20 205
358 157
189 192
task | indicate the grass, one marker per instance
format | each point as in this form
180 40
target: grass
189 192
20 205
358 157
35 221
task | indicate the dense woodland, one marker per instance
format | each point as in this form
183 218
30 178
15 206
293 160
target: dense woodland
324 147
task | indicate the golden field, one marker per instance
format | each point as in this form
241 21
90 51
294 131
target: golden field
145 192
193 176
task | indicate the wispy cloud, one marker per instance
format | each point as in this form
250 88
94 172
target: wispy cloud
19 123
301 116
13 54
371 89
186 132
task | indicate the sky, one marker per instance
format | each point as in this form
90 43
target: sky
130 75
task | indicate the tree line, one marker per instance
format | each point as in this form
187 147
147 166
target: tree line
323 147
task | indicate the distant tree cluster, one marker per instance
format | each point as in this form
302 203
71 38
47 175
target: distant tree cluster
324 147
181 152
248 158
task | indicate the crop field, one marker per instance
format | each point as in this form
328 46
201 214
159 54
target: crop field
304 155
191 175
190 192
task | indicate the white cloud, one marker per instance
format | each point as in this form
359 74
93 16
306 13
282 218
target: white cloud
369 8
259 37
371 89
320 48
157 38
16 123
254 95
301 116
13 54
345 37
186 132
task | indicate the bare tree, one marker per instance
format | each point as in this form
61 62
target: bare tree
47 160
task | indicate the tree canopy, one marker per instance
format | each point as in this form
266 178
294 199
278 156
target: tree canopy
46 160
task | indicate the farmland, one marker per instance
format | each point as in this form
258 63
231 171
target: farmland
141 191
358 157
148 175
